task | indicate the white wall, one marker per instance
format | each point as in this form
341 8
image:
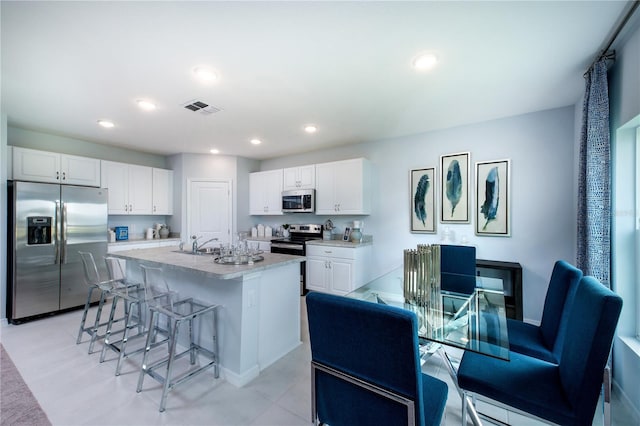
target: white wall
543 210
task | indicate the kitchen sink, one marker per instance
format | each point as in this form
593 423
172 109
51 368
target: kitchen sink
205 250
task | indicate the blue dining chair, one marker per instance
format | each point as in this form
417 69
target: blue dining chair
365 365
544 341
565 392
458 268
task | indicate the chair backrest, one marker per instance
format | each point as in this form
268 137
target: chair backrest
592 318
376 343
156 290
560 295
91 274
114 268
458 268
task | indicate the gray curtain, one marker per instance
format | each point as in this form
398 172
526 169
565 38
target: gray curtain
594 202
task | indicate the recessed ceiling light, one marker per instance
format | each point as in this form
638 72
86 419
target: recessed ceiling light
106 123
425 61
214 151
205 74
146 105
255 141
310 128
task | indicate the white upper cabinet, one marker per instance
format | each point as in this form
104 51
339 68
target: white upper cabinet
130 187
303 177
265 193
42 166
343 187
162 191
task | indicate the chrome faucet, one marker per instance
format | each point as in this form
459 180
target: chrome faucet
194 244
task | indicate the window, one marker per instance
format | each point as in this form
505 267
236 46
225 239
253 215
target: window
625 253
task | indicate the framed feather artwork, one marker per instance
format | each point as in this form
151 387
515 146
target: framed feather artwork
492 198
454 188
423 200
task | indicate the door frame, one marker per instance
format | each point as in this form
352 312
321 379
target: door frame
229 183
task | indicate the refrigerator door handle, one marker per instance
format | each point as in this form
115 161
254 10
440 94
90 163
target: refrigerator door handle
63 254
56 258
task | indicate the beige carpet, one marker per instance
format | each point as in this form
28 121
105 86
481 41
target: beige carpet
18 406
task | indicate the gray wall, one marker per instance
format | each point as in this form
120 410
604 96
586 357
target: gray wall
191 166
624 94
49 142
3 216
543 209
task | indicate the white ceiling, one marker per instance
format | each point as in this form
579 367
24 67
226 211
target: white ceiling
344 66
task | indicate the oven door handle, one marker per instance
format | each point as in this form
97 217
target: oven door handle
295 247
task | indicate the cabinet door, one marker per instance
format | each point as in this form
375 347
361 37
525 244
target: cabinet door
348 193
307 176
341 272
290 179
303 177
36 166
162 191
257 203
316 278
325 191
273 191
140 190
115 177
79 170
265 193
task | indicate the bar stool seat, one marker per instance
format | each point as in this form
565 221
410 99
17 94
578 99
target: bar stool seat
132 295
161 301
94 282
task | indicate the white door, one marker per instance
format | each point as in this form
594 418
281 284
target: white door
209 210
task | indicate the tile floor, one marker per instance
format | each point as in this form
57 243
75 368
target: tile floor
73 388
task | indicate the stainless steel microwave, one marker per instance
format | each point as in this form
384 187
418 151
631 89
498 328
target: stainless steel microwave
299 201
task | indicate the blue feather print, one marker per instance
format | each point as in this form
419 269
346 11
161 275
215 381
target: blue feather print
491 197
454 184
419 198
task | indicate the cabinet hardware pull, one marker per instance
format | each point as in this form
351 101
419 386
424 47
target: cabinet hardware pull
57 175
64 175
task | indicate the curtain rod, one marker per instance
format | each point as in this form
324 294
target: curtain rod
603 52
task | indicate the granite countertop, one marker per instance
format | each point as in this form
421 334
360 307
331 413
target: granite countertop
367 240
170 256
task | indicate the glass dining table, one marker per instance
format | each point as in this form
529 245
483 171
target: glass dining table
475 322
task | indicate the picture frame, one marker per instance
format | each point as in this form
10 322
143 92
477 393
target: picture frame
493 193
422 200
454 187
347 234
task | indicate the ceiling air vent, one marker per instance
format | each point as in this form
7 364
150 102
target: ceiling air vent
201 107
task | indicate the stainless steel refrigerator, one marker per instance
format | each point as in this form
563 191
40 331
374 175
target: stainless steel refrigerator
48 225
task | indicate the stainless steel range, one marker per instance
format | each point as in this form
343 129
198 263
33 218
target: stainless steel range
295 244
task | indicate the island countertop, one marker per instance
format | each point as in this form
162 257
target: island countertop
173 257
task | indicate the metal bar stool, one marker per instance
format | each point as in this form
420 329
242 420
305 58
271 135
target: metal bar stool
94 282
132 296
162 301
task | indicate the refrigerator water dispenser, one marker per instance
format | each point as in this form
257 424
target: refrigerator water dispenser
38 230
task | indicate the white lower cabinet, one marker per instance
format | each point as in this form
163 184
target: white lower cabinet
337 270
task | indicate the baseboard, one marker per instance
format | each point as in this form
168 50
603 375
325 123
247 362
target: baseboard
627 402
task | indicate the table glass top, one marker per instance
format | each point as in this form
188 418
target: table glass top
475 322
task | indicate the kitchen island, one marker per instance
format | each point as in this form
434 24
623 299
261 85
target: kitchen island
259 314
